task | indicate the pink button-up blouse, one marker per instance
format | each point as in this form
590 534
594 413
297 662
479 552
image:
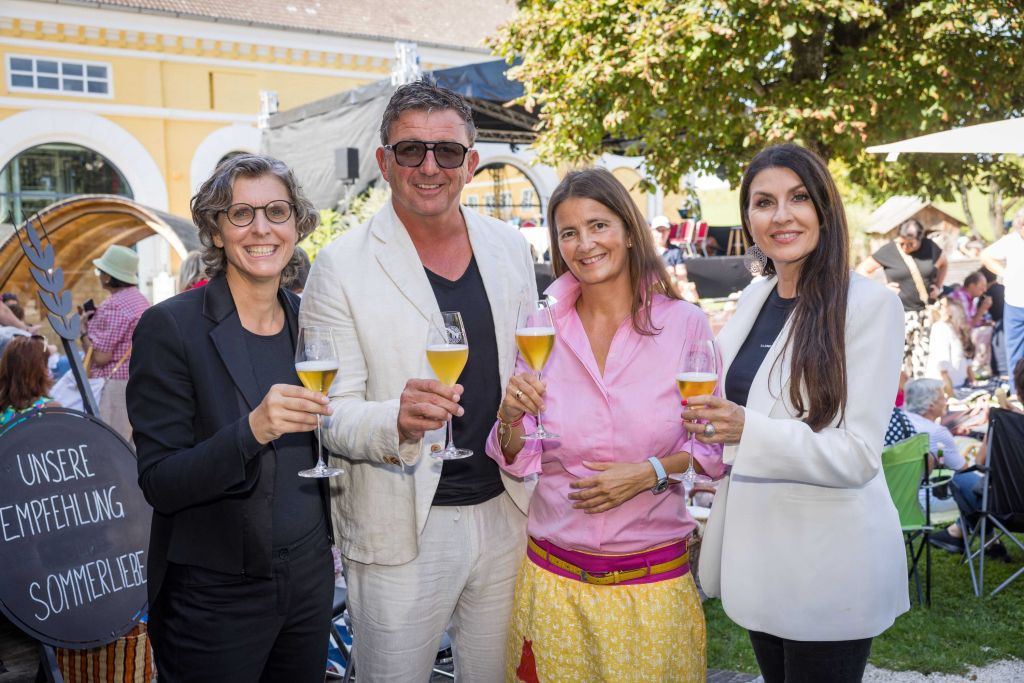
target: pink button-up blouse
626 415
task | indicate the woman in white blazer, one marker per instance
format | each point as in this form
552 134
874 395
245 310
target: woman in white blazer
804 544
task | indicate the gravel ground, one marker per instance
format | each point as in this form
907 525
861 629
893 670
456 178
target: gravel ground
1010 671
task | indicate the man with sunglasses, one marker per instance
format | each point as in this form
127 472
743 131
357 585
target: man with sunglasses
428 545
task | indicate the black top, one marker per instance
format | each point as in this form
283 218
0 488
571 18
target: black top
475 479
755 347
998 293
297 508
896 270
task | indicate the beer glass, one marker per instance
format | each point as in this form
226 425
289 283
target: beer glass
535 337
316 364
447 353
697 375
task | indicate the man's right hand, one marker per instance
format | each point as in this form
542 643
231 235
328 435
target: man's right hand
425 405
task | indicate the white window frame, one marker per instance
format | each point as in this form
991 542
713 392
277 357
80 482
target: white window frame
61 61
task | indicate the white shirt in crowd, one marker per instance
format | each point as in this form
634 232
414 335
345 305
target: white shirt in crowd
946 353
1010 249
939 437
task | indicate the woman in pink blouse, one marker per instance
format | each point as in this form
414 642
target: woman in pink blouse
605 592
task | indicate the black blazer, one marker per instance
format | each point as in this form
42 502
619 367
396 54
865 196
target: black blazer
190 391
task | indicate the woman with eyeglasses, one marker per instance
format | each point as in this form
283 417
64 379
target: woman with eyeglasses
24 378
241 577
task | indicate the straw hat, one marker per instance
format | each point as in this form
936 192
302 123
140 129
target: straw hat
120 263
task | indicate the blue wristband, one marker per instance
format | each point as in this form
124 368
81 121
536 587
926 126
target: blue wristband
659 471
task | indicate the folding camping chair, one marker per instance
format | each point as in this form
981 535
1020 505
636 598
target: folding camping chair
1002 498
906 471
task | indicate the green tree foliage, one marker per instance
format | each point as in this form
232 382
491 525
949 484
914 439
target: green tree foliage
334 223
702 85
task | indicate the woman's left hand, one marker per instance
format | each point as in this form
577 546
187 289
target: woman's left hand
726 416
616 483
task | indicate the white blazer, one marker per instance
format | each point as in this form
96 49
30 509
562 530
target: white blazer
804 541
370 286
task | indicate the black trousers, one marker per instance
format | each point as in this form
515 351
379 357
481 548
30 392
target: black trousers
226 628
797 661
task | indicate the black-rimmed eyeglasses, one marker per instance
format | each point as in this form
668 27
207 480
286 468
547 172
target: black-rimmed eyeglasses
241 214
411 153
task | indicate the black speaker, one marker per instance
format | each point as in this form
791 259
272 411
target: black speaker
346 164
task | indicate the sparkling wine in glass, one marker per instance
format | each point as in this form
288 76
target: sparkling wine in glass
316 364
447 353
697 375
535 337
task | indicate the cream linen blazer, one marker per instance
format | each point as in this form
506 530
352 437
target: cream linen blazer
804 541
370 286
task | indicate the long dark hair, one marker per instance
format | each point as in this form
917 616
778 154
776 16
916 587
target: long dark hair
647 274
817 338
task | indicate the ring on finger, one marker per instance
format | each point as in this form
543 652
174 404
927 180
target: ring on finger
709 430
519 394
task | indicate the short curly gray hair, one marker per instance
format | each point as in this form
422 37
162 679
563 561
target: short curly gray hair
214 196
422 95
920 394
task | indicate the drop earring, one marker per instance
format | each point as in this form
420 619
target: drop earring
755 260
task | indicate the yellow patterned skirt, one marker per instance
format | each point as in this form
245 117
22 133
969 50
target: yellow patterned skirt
567 631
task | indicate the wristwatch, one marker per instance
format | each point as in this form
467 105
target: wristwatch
659 471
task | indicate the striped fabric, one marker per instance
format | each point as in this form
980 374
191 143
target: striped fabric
128 659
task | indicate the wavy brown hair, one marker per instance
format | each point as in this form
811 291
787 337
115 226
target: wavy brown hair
817 338
24 375
215 196
647 274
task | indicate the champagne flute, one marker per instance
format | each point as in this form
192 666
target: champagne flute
535 337
316 364
697 375
447 353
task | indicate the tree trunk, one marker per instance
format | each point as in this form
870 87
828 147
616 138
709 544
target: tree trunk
966 206
996 214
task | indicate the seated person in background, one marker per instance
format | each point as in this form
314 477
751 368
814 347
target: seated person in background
926 403
670 254
950 347
900 426
971 296
24 378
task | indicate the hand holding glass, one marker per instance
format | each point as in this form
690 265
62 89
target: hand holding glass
316 364
697 375
447 353
535 337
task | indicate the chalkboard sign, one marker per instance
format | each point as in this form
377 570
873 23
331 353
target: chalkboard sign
74 530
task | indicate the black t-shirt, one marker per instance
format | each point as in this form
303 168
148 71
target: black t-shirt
998 293
475 479
896 270
297 507
766 329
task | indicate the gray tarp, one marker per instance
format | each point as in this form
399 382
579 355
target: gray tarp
306 137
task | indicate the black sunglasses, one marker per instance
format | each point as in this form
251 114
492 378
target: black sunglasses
411 153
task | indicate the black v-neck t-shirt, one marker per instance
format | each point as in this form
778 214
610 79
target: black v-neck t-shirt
762 335
476 479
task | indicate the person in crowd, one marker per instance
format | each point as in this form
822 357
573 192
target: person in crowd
107 332
976 304
900 426
926 406
811 360
996 292
297 283
1006 258
241 576
951 348
24 378
8 318
603 507
671 255
915 267
426 545
192 273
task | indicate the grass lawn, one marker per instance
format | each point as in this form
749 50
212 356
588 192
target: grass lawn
958 631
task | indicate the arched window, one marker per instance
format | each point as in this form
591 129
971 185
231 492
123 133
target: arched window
41 175
496 187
